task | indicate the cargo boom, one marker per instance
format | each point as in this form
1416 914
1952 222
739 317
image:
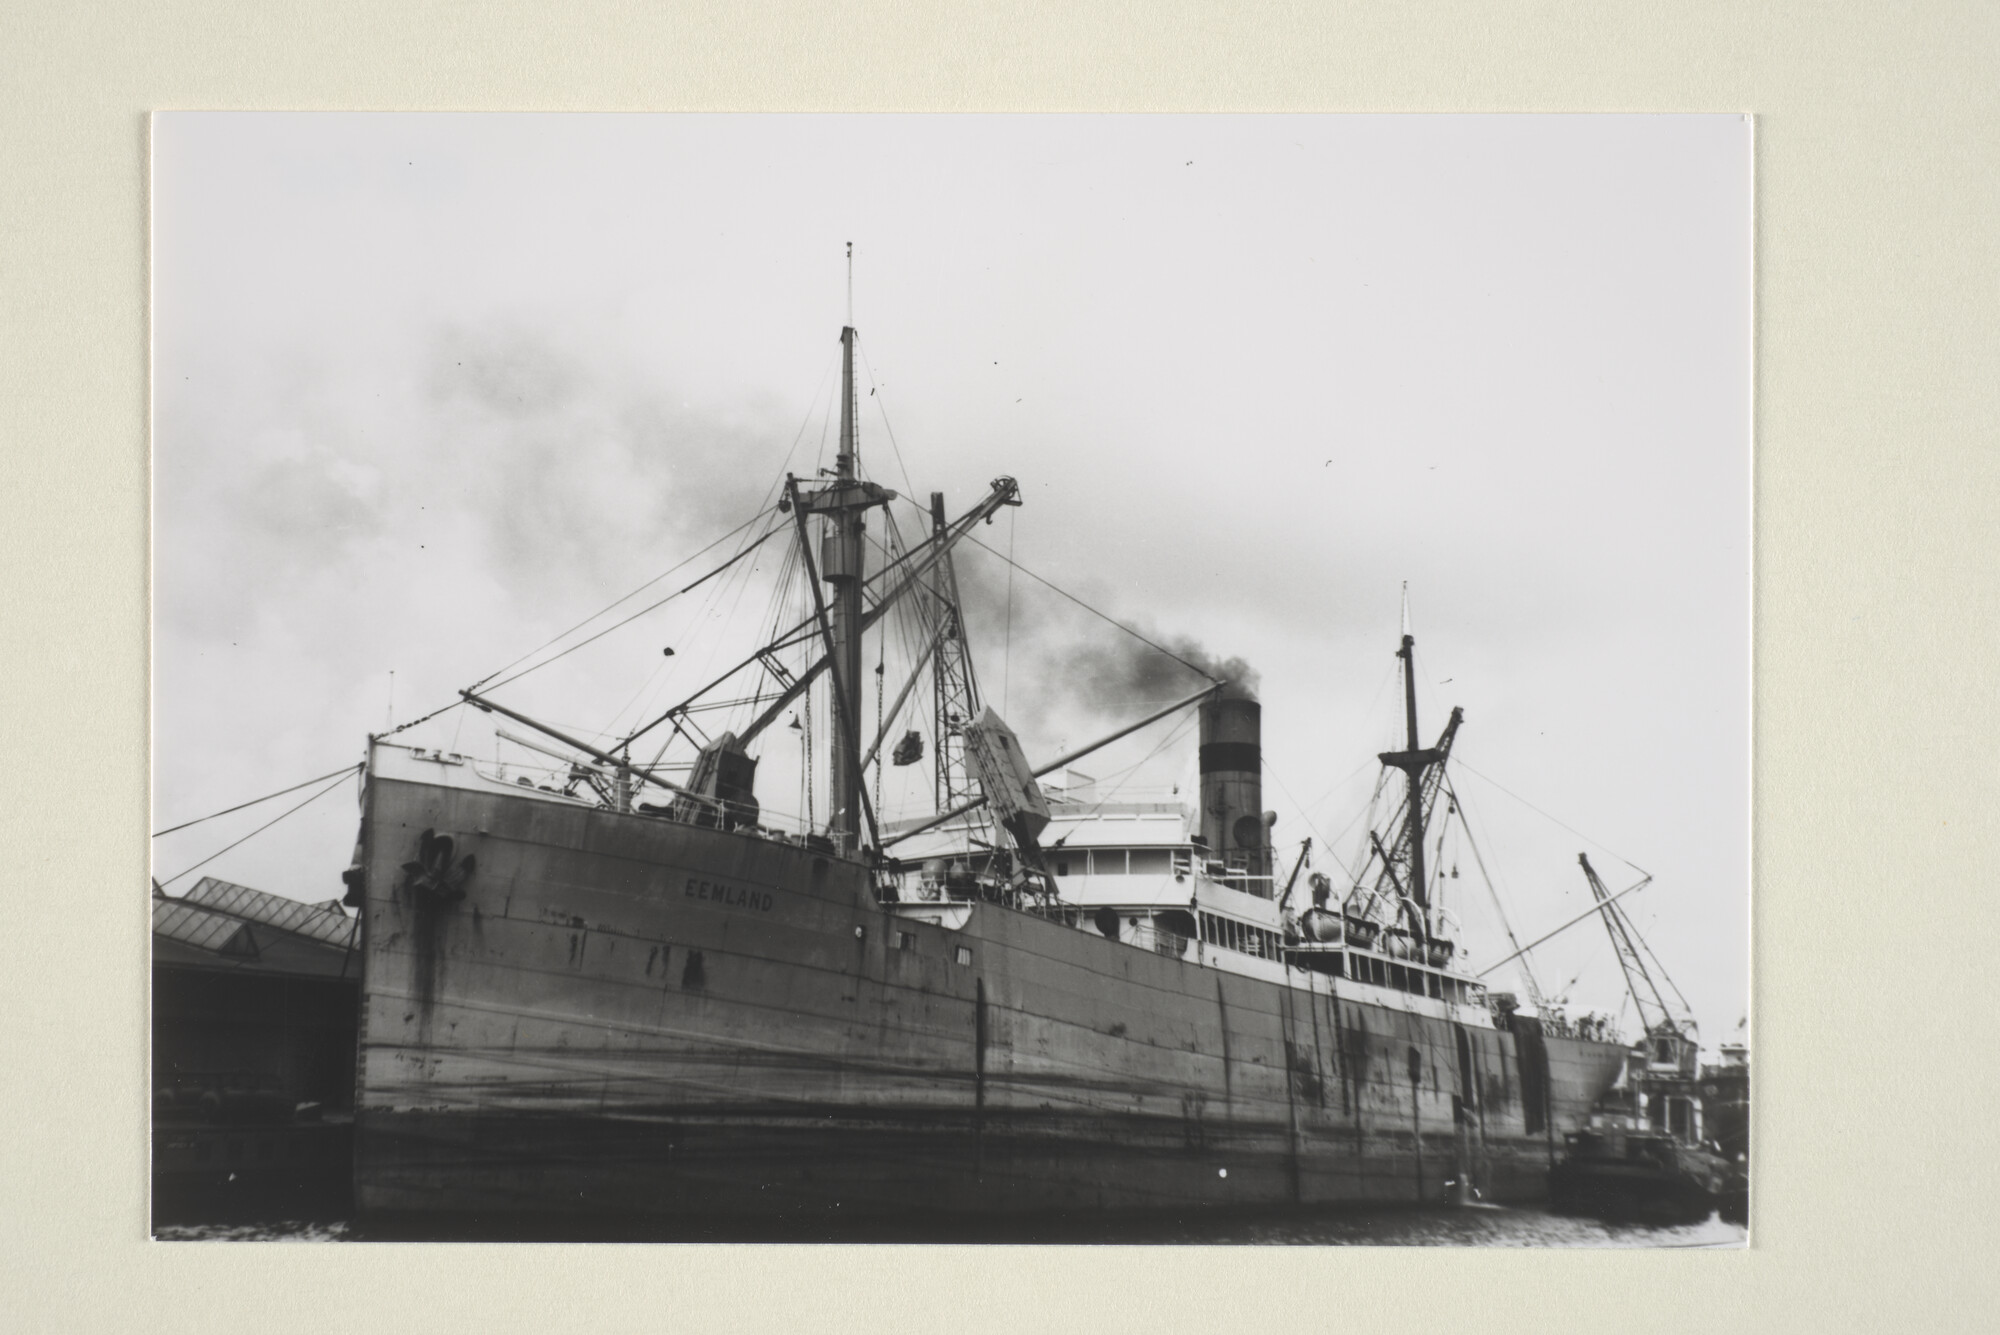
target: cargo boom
577 1003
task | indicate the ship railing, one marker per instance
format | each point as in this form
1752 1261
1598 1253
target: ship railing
1149 935
1054 910
1241 880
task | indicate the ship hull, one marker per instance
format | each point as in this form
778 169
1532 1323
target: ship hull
628 1017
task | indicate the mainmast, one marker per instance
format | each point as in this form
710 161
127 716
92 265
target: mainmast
1413 762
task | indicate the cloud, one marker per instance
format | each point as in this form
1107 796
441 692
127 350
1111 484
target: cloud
437 507
573 469
522 377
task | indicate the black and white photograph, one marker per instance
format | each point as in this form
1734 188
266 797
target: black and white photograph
1167 679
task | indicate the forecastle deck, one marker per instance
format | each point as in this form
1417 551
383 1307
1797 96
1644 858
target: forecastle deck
623 1014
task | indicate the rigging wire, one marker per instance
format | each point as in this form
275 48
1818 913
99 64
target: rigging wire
903 624
882 407
649 689
1329 844
881 681
683 564
602 610
1493 891
825 424
731 590
343 777
424 718
1647 947
1200 672
726 565
801 630
790 561
762 511
1545 815
1124 776
1303 815
240 806
663 672
778 606
1364 851
1338 784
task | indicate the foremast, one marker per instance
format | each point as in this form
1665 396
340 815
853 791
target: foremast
843 506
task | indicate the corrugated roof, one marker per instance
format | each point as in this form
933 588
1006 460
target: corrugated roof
180 921
321 922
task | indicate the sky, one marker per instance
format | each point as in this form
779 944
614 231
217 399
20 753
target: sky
431 389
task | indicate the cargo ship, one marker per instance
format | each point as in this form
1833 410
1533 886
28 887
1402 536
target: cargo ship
580 1002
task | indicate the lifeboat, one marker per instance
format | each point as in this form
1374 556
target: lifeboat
1398 944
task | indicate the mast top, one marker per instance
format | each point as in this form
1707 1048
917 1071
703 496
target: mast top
845 462
850 285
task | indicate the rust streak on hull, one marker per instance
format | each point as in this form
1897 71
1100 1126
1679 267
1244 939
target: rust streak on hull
638 1016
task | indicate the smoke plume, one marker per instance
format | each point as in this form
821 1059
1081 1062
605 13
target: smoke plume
1064 670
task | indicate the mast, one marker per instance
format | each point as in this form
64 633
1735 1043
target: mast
1413 762
1433 786
912 569
1416 813
841 556
843 505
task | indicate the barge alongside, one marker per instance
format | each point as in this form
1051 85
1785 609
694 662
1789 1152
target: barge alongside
579 1003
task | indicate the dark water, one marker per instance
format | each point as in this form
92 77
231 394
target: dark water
1482 1226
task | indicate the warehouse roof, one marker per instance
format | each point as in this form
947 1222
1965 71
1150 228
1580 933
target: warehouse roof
220 925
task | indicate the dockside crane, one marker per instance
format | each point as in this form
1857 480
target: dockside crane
1659 1016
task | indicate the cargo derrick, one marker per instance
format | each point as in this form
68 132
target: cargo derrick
704 971
955 689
